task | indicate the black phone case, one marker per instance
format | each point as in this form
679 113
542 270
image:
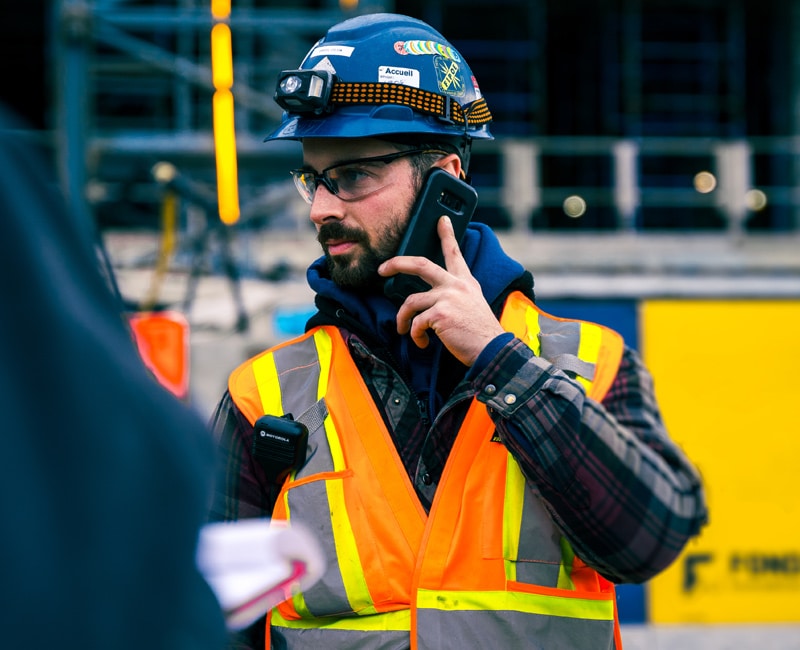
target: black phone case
441 194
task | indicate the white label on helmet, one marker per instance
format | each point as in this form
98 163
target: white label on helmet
393 75
325 64
332 50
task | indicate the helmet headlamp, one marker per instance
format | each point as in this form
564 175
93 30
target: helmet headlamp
304 91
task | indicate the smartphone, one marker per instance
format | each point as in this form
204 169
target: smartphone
441 194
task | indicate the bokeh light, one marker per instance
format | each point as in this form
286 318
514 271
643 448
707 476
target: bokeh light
574 206
755 200
705 182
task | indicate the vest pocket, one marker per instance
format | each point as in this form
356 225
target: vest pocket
525 539
355 580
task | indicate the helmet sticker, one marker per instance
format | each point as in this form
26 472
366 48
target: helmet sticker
478 94
290 129
325 64
332 50
448 74
394 75
426 47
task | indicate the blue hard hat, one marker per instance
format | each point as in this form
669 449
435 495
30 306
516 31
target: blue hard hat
380 75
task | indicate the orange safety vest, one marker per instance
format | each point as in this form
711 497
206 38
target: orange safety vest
487 567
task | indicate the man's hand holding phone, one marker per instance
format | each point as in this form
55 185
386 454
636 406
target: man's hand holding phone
453 308
441 194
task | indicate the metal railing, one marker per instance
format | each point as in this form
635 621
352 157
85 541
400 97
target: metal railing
734 180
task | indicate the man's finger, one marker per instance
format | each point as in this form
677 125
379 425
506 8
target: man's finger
453 259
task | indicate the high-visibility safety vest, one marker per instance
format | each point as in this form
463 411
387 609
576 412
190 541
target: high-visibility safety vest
486 567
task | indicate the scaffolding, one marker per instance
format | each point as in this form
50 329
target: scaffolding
134 88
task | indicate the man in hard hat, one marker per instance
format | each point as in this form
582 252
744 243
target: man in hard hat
479 473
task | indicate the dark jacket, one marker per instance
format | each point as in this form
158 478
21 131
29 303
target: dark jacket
104 475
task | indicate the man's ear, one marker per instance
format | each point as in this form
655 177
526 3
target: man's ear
451 163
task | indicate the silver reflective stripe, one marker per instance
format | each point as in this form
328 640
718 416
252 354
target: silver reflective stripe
560 344
327 596
508 629
539 559
558 337
334 639
298 373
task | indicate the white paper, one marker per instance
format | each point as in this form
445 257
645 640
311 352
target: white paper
254 564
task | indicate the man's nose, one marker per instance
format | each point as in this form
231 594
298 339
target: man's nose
325 205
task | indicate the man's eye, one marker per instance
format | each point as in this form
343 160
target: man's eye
352 175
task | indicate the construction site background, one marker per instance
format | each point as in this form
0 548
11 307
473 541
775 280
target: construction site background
645 168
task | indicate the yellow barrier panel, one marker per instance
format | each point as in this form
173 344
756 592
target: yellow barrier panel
727 380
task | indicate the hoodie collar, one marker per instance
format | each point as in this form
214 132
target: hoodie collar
373 316
490 265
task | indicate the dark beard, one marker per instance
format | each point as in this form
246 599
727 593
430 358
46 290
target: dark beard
359 270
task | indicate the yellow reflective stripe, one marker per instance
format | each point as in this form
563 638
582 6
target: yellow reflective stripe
353 578
512 515
269 388
516 601
399 621
299 603
532 330
355 583
269 392
324 347
589 347
565 570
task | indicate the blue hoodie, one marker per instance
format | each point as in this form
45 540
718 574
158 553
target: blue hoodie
491 266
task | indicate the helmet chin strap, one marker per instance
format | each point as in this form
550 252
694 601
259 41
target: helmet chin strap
466 151
466 144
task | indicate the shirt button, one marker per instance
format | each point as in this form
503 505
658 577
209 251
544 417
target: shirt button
396 400
510 399
491 389
426 478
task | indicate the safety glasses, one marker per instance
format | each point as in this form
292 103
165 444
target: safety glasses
351 180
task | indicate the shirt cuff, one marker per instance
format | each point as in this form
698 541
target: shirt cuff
488 353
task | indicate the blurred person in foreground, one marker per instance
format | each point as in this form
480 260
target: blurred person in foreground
106 476
480 474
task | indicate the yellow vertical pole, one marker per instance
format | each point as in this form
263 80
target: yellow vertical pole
224 130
